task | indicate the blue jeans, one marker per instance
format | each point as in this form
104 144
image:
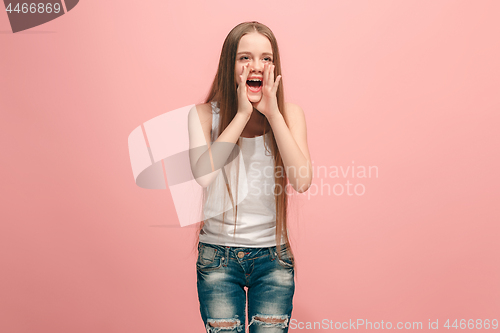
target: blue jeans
222 274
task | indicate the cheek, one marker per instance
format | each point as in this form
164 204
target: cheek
238 69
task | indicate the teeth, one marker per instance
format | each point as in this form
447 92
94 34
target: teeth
254 80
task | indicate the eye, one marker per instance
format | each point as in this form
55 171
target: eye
244 58
268 59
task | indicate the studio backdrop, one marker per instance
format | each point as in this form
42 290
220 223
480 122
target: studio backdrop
399 229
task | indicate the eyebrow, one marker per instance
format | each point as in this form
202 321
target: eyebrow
245 52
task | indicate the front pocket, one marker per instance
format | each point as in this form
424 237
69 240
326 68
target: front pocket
284 259
209 258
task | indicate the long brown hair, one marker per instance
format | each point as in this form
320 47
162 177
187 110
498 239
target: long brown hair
224 92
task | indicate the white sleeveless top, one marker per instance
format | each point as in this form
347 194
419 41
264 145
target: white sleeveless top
256 220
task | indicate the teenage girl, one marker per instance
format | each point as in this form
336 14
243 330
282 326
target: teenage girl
243 239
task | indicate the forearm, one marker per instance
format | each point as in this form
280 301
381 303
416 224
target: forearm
216 154
297 166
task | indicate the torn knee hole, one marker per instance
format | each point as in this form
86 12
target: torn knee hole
270 320
223 323
217 325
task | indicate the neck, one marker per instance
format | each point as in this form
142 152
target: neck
258 120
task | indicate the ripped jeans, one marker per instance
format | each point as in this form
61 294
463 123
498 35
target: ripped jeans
222 274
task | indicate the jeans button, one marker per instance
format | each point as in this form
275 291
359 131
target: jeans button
241 255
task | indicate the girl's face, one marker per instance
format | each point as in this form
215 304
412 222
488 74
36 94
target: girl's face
255 49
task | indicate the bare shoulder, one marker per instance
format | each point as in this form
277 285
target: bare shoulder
293 109
204 116
204 111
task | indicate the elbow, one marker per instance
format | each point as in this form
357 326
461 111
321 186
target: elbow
202 173
201 183
303 182
303 187
207 179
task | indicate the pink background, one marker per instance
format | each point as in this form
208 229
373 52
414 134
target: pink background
411 87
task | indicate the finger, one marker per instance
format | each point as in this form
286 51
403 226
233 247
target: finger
272 74
247 71
245 74
266 75
276 84
264 78
242 75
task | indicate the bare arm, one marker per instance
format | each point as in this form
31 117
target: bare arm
292 144
207 159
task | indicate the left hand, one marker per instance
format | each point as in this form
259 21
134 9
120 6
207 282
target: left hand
268 104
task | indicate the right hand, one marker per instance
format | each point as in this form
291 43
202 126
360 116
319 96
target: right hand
244 105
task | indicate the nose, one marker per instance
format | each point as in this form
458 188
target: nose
257 66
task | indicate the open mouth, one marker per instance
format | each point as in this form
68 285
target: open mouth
255 85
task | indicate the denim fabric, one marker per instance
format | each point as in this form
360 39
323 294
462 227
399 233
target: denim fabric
222 274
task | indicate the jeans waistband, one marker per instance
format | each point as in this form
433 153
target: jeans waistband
248 252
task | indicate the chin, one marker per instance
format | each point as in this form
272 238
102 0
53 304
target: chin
255 98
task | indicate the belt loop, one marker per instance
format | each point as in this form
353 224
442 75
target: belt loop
271 252
226 262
